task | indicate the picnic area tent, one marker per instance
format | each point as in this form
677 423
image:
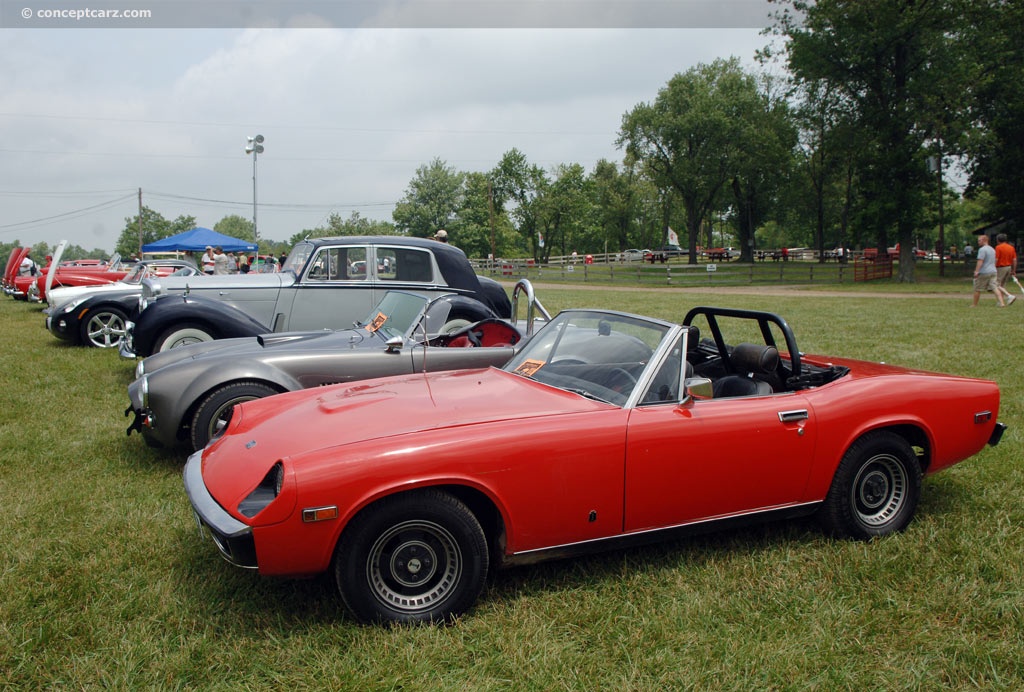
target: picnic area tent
197 240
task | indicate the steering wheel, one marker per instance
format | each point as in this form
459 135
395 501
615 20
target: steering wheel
619 379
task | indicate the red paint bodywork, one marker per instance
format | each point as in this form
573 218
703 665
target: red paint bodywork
13 264
560 469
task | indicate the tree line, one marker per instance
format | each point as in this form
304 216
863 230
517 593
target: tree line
847 134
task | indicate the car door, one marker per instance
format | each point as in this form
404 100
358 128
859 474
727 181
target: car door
335 290
710 458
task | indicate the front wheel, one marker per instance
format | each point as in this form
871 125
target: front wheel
214 413
875 490
417 557
103 328
184 335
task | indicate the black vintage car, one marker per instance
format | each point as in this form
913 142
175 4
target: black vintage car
325 283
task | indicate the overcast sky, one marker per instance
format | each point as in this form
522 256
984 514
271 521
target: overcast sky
89 116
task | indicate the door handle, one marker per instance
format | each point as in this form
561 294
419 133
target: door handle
793 416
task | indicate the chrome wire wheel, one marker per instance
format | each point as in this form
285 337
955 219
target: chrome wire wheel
879 490
414 566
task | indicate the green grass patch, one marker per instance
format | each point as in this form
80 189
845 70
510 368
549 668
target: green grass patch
106 584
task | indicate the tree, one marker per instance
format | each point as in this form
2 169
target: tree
431 202
522 185
566 210
691 137
897 66
764 159
615 198
235 226
154 227
996 147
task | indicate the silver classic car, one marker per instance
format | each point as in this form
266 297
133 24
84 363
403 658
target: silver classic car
325 283
185 395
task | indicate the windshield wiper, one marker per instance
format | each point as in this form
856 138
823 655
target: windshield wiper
585 393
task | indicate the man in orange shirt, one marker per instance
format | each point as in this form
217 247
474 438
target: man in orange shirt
1006 265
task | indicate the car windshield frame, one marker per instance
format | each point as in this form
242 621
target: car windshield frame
604 355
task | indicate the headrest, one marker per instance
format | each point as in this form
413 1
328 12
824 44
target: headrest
758 359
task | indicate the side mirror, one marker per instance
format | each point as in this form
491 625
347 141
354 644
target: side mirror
699 387
394 344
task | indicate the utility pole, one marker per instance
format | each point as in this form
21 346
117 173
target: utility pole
140 222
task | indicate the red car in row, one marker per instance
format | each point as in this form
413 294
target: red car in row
605 430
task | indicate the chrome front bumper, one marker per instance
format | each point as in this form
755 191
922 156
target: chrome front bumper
233 539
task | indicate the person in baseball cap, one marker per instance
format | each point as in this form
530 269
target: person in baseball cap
441 236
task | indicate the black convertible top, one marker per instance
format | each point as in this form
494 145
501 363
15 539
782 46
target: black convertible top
454 265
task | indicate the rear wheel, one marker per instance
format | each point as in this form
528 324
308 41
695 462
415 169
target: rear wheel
876 488
103 328
214 413
418 557
183 335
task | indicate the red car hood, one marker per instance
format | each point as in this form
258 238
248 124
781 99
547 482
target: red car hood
292 424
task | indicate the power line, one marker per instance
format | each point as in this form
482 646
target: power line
75 213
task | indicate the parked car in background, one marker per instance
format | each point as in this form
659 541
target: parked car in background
325 283
663 253
137 272
186 395
11 270
633 255
97 315
605 430
721 254
59 274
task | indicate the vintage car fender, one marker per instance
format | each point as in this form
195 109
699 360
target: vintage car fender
218 319
495 296
65 322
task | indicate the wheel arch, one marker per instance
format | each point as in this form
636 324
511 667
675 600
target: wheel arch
483 506
197 393
831 452
913 432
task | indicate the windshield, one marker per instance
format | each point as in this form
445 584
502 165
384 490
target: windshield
136 275
598 354
297 257
395 315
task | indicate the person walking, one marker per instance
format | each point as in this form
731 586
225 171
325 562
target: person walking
985 272
1006 266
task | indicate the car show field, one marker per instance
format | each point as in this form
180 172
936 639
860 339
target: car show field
107 584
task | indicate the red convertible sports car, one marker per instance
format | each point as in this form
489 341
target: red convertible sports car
606 429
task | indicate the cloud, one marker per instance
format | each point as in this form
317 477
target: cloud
348 114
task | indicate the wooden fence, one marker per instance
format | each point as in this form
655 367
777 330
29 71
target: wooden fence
677 272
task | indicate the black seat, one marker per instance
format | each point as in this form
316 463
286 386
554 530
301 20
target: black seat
749 361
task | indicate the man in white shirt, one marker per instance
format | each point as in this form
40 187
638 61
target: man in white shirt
985 272
207 261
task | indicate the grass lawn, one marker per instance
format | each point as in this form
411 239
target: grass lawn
105 582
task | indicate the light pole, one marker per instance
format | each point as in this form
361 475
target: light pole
254 146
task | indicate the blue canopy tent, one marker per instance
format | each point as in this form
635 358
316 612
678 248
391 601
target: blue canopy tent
197 240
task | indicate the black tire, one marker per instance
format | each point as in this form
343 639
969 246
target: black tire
103 328
416 557
875 490
214 413
182 335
